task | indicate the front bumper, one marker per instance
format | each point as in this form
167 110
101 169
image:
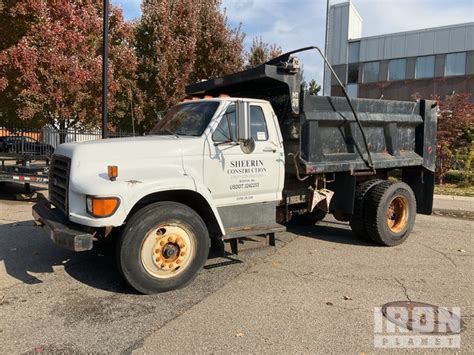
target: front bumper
63 233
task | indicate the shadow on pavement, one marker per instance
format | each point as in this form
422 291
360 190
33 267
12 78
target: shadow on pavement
9 191
334 233
26 250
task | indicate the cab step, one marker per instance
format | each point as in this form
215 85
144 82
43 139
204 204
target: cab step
234 234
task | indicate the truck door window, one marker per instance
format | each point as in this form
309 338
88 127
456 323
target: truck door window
222 132
258 126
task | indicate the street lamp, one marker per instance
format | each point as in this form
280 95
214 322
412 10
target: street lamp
105 55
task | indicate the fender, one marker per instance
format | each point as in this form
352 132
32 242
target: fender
183 182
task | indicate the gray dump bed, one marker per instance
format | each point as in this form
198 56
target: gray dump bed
323 132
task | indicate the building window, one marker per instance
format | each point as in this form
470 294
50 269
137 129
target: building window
424 67
354 52
455 64
371 72
397 69
352 90
353 75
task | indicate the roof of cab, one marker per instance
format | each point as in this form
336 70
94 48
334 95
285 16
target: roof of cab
223 98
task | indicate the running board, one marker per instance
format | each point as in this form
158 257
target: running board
234 234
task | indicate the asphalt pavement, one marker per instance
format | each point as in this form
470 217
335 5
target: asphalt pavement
314 292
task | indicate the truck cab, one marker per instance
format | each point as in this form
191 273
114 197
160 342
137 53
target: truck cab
193 157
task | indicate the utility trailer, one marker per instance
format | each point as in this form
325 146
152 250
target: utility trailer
23 169
244 155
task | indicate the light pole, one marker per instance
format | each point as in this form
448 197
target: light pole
325 90
105 58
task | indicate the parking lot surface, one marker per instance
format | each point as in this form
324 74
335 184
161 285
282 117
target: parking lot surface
314 292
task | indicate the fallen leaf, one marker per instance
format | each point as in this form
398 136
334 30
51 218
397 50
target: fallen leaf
329 303
347 298
239 335
461 250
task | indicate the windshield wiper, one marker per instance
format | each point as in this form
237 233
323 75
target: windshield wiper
166 131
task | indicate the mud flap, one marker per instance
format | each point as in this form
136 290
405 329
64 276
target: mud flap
321 199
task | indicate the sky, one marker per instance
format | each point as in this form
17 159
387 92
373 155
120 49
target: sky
292 24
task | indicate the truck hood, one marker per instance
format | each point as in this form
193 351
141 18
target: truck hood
141 159
121 149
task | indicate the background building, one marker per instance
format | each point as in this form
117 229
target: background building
398 66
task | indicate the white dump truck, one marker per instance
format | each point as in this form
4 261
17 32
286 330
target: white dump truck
242 156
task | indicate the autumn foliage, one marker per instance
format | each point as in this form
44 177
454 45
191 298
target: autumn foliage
52 72
50 59
455 147
261 52
180 42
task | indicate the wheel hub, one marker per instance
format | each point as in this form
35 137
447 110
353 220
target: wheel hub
397 214
169 251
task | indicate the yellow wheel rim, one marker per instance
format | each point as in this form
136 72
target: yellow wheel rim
397 214
167 250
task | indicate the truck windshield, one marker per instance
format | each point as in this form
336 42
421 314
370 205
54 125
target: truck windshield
189 119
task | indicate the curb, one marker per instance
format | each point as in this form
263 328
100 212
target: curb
454 198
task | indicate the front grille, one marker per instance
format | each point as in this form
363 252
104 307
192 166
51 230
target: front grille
59 182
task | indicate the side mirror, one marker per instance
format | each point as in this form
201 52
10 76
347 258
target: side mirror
242 110
247 144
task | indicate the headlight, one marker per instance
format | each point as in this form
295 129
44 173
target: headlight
101 207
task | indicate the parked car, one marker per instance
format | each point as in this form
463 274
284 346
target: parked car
24 145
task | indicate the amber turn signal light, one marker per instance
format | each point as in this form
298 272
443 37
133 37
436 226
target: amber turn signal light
102 206
112 171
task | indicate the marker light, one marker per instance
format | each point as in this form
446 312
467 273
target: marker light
112 171
102 206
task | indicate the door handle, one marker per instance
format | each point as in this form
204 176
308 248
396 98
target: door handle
269 150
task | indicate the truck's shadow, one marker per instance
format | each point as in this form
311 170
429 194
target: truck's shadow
330 231
29 255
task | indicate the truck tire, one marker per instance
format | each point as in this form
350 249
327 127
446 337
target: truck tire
357 221
162 247
390 213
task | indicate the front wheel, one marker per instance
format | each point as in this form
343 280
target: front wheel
162 247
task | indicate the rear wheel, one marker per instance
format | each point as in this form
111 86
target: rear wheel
390 214
357 221
162 247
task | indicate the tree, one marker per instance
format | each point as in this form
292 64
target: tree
455 131
56 62
314 88
165 43
179 42
219 48
261 52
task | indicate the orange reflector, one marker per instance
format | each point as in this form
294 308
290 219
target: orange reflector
196 98
104 206
112 171
224 95
208 97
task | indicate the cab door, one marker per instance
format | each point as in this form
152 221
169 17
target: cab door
235 177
